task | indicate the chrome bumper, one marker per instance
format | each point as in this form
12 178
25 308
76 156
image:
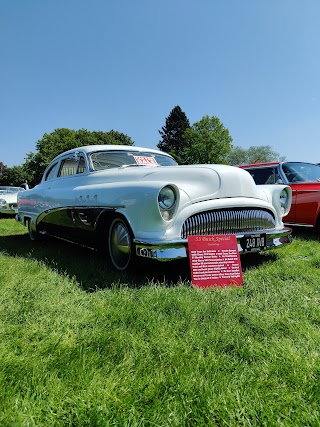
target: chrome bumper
8 211
167 251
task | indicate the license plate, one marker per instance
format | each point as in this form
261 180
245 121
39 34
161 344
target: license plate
253 242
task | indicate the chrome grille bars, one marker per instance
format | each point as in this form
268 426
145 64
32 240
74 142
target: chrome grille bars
227 221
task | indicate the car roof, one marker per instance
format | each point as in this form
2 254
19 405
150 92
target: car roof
90 148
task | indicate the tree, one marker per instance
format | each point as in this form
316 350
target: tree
63 139
173 139
14 176
263 153
34 167
207 141
2 166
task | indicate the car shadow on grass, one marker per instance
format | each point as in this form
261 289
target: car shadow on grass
90 268
305 233
92 271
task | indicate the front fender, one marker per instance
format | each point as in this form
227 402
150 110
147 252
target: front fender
272 192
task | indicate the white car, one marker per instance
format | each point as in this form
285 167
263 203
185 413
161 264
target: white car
9 199
138 203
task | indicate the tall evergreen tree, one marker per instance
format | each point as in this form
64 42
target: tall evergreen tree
172 133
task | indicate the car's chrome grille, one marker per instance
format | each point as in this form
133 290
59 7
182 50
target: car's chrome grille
227 221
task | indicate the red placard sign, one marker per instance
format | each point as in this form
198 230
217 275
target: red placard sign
215 261
145 160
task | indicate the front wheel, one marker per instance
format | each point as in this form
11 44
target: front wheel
121 248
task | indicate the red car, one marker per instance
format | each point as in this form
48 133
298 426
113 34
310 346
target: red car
304 180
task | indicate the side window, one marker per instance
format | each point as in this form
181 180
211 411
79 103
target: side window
272 178
68 167
278 179
52 172
263 175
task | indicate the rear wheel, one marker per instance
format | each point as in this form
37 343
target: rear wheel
120 243
34 235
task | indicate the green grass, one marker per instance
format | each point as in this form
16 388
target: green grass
81 345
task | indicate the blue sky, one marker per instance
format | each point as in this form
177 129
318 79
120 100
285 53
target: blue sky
124 64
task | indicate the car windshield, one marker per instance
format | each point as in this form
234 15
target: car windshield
115 159
301 172
10 190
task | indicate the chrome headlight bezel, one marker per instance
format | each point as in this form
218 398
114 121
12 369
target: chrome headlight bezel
285 201
167 201
3 202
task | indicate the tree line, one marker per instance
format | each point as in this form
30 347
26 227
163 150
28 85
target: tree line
206 141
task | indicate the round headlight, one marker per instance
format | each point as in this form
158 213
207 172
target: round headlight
284 198
166 198
3 202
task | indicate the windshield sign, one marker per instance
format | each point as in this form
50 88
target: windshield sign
116 159
147 161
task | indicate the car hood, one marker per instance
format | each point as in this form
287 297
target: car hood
199 182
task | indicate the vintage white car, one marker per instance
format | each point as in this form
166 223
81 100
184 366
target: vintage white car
138 203
9 199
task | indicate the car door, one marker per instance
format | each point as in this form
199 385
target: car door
60 220
306 196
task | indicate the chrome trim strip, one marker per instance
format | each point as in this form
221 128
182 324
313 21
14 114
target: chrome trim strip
295 224
77 208
300 190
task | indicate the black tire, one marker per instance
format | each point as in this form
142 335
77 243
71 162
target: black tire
33 235
120 245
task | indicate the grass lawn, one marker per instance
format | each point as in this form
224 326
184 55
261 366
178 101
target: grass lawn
81 345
